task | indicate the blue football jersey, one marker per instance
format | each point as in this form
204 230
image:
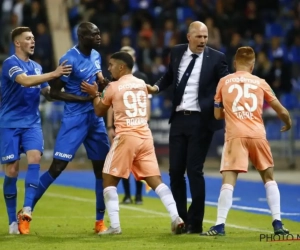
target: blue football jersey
19 107
83 68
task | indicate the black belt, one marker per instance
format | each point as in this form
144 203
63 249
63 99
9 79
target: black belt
188 112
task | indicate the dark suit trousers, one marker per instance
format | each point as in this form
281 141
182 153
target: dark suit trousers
189 142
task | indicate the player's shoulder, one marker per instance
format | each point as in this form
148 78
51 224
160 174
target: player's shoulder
71 55
214 51
225 78
35 64
140 75
10 60
95 52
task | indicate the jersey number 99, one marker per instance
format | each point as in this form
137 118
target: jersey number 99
136 103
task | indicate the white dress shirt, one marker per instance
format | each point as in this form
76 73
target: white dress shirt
190 95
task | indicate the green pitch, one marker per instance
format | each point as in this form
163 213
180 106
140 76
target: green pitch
64 219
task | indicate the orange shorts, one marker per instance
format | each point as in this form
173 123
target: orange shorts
238 151
130 153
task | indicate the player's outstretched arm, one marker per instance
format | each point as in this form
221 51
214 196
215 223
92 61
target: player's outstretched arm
282 113
34 80
56 93
92 90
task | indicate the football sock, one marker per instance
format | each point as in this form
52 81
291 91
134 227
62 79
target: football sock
10 197
126 186
45 181
224 203
273 198
100 205
167 199
31 184
112 205
139 187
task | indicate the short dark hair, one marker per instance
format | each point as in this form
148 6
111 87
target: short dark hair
18 31
124 57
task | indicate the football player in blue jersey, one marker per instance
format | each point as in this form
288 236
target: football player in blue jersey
79 123
20 124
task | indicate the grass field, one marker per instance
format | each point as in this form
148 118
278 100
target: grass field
64 219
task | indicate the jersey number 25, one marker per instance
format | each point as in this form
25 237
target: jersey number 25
243 92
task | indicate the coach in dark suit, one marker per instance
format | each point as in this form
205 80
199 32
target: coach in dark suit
194 72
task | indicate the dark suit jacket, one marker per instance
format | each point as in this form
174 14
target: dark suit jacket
214 67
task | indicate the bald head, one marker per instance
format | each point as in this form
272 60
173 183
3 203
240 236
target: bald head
88 35
197 37
196 25
85 27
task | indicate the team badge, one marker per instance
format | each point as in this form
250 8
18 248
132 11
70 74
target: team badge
37 71
97 64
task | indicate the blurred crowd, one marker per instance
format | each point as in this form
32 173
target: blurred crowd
152 27
29 13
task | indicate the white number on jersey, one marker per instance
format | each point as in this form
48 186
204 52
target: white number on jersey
243 92
136 104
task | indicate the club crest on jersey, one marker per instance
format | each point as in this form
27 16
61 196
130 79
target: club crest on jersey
37 71
97 64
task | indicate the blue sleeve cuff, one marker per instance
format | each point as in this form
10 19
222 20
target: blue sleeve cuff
218 105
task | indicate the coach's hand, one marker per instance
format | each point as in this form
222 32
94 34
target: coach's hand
63 69
91 89
152 89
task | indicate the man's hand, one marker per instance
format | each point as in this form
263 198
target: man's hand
286 127
102 84
63 69
111 134
92 90
152 89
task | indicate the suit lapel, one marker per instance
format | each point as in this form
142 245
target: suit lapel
205 66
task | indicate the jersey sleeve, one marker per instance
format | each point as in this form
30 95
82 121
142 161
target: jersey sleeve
70 61
269 95
98 63
218 95
12 69
107 95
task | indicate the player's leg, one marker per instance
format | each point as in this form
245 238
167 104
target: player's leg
110 184
32 145
70 136
234 160
100 205
145 167
127 197
56 168
10 155
11 171
262 159
165 195
97 146
138 195
117 165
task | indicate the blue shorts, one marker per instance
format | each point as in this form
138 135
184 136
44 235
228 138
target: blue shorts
85 128
15 141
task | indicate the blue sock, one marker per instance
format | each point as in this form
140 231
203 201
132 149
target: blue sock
10 197
45 181
31 184
100 205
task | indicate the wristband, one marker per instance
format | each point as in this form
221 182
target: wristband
97 94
